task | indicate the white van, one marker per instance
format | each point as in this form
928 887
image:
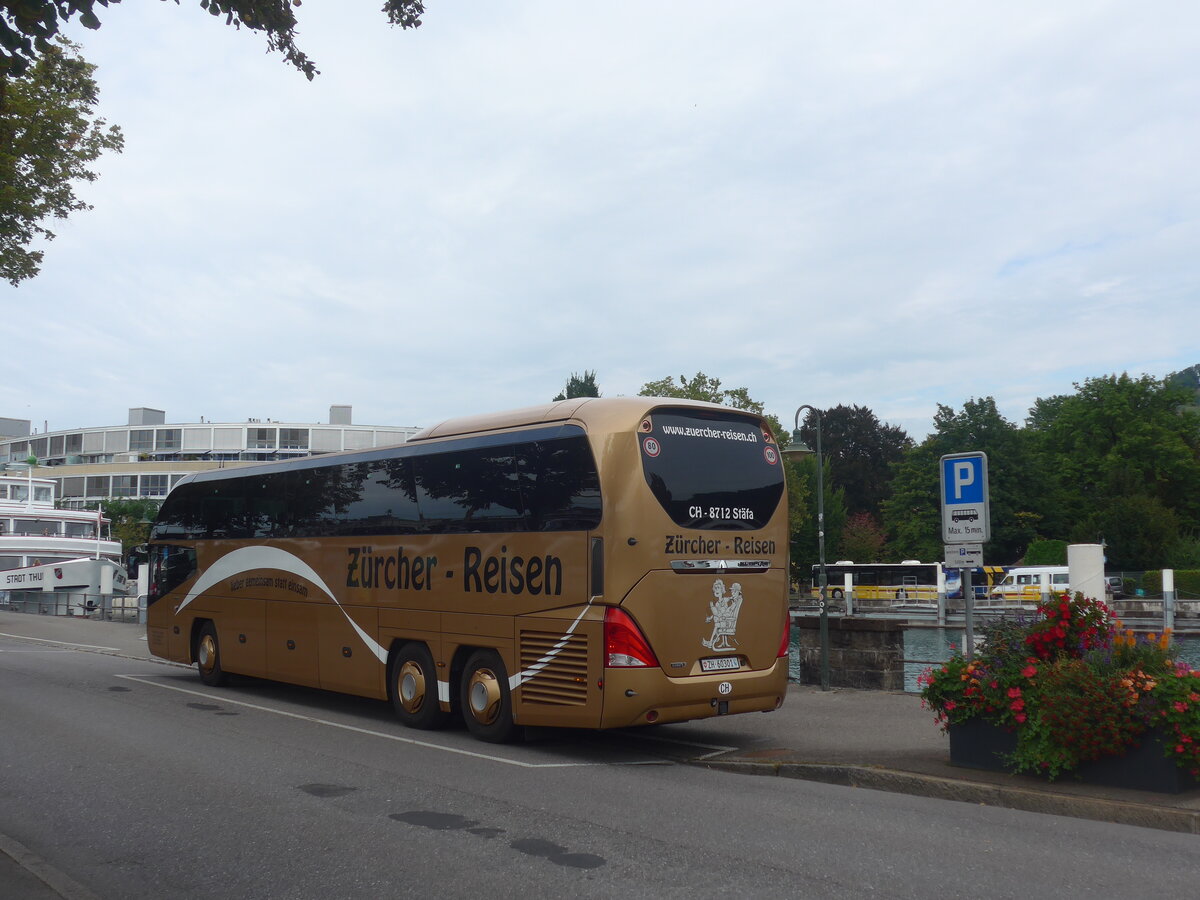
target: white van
1026 584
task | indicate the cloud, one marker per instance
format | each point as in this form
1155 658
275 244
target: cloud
822 203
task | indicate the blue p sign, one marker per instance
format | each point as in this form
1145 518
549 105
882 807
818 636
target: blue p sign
963 479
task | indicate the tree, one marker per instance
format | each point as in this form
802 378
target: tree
862 451
1118 437
862 538
1017 484
28 27
580 386
48 137
130 520
805 544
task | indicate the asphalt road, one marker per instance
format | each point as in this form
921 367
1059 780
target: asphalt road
135 780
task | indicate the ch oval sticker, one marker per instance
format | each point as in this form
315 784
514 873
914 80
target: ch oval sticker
725 688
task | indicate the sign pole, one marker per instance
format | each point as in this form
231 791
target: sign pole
968 613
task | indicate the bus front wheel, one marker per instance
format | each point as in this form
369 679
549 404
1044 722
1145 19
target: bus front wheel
414 687
208 657
485 700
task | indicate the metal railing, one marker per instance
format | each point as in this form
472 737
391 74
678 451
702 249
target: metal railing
79 605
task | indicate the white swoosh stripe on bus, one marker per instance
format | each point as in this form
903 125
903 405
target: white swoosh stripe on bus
247 559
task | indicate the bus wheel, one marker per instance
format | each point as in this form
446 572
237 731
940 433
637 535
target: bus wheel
414 687
485 700
836 595
208 657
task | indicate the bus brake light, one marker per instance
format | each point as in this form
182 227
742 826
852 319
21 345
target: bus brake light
785 644
625 647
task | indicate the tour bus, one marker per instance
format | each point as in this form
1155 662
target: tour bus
907 583
1026 584
595 563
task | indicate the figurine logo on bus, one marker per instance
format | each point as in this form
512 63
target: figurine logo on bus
724 618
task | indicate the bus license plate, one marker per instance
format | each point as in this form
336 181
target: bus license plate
720 664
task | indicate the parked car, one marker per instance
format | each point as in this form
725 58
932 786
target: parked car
1114 586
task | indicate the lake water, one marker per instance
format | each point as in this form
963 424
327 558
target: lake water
925 647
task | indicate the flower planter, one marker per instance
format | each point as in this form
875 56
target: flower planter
979 744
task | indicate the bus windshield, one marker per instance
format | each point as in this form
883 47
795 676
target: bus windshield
711 470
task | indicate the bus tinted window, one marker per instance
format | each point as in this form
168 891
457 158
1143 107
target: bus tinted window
469 490
559 484
547 485
712 470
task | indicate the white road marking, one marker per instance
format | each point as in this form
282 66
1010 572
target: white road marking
716 749
225 699
22 637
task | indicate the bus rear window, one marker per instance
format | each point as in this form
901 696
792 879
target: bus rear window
711 470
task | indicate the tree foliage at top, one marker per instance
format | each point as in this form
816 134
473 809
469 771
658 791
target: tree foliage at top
28 27
1124 454
861 451
912 515
580 386
48 138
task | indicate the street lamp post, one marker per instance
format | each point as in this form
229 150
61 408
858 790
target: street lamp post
797 448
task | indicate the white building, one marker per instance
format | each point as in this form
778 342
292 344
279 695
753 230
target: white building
145 457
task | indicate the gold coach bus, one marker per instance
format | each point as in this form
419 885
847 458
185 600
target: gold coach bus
595 563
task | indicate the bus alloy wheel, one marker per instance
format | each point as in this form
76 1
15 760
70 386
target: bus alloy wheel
485 699
208 657
414 687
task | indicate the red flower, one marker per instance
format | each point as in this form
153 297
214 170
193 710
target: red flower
1014 692
1029 671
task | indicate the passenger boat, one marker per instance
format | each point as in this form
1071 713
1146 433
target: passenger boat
59 561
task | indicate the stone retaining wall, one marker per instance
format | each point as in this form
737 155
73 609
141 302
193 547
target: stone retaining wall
863 653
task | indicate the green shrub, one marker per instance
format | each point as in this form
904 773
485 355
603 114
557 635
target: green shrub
1187 583
1046 553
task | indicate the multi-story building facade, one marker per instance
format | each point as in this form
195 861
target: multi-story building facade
144 458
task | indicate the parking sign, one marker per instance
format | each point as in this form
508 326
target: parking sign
966 511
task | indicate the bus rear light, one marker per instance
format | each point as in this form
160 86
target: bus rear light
625 647
785 644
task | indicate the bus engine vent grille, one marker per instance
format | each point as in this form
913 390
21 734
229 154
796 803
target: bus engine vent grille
555 668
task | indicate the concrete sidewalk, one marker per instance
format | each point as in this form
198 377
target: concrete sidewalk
870 739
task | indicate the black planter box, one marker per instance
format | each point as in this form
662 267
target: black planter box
978 744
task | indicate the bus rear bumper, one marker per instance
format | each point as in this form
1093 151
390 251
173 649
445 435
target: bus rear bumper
647 696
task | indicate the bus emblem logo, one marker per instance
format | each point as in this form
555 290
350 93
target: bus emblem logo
724 608
651 446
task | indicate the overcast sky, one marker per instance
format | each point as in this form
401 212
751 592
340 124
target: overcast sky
890 205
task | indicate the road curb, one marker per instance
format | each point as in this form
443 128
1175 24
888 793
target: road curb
59 882
874 778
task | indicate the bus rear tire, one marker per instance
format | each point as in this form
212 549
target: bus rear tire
414 692
208 657
485 699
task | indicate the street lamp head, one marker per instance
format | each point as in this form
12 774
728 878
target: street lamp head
796 449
